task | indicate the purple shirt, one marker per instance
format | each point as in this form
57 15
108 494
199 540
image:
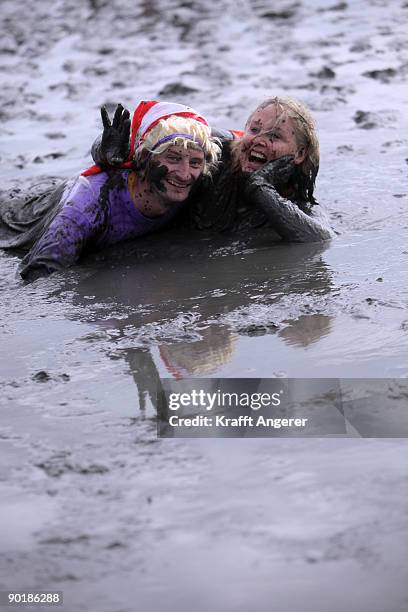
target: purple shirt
94 212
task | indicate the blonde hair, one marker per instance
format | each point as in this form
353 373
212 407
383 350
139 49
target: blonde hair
305 136
179 126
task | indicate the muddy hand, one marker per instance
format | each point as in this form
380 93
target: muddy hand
115 137
277 173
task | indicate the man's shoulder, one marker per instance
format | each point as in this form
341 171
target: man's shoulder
95 182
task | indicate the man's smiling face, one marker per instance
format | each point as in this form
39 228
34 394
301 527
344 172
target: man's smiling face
177 171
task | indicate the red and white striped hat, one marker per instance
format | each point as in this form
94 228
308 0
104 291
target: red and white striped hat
148 114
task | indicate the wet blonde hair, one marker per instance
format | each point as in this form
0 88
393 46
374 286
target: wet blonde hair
305 136
179 125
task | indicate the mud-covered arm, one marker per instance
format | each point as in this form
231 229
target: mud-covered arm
97 152
67 236
286 217
111 148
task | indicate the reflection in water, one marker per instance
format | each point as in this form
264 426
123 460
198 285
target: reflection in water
145 375
306 330
191 297
205 356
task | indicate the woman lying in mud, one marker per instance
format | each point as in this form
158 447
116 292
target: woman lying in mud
171 150
266 175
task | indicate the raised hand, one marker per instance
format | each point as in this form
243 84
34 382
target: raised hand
114 146
277 173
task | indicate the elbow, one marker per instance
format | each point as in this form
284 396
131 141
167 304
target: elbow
308 236
31 273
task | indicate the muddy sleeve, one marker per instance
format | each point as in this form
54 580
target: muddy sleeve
97 152
287 219
221 133
70 233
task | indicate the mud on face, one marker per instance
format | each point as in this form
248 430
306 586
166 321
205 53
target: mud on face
155 174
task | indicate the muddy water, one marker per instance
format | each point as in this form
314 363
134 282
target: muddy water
92 498
92 503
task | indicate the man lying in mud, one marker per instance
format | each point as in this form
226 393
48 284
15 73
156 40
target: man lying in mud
171 150
266 175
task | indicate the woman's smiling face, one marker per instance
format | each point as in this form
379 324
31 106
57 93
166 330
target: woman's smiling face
269 134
